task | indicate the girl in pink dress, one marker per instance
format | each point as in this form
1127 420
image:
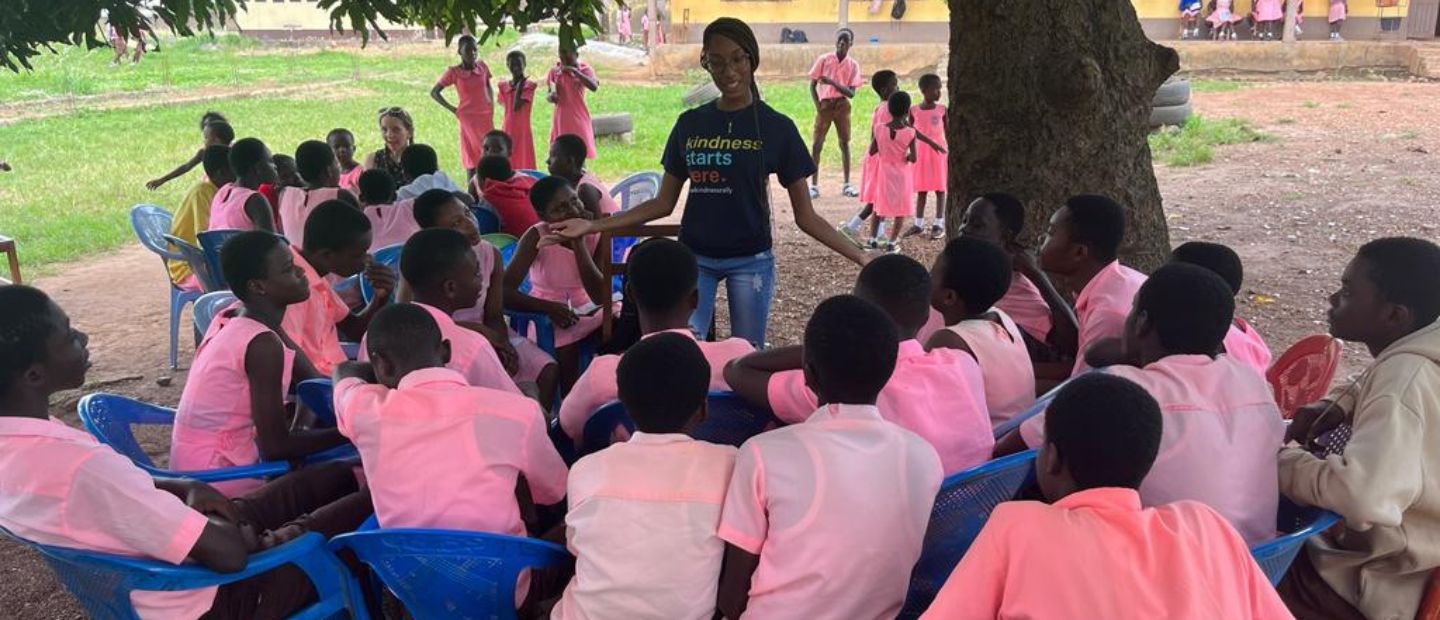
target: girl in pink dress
562 274
321 170
931 166
1268 17
885 83
568 80
1222 20
893 146
232 411
517 99
476 112
1338 12
342 143
239 205
624 25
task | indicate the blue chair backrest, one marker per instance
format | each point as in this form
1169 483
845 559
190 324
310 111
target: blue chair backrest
1040 404
109 418
195 258
601 427
964 503
319 397
151 224
451 574
485 219
211 241
1296 525
635 189
209 305
534 174
731 420
388 256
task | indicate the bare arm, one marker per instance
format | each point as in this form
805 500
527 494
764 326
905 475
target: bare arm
815 92
383 283
515 275
180 170
736 570
812 224
662 205
749 376
273 436
437 93
596 284
257 208
933 144
1065 333
590 82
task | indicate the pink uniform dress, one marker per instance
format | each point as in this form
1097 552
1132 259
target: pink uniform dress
1243 343
391 224
1338 11
227 210
624 25
572 115
870 166
350 180
1223 14
931 166
608 206
517 123
533 359
554 277
214 426
476 111
1004 363
1024 303
295 207
895 187
1269 10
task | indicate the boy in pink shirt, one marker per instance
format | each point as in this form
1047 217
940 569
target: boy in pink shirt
833 80
1222 427
644 514
392 221
938 394
662 275
58 486
1094 551
825 519
1242 342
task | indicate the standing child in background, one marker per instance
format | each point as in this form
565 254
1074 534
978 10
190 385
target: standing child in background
214 129
1336 17
1222 20
567 82
240 205
1242 342
508 192
885 83
833 80
517 97
1190 19
193 216
342 142
623 25
893 146
318 166
476 112
1269 17
567 160
931 166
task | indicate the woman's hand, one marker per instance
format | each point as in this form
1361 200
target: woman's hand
573 228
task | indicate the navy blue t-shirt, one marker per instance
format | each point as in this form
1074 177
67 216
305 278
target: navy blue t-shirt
728 158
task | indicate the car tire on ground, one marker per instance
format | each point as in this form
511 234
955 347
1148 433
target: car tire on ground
701 94
612 124
1169 115
1175 91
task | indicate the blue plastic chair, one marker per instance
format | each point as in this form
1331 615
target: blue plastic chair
195 258
1040 404
444 574
635 189
1297 525
731 420
485 219
318 395
151 224
211 241
102 582
109 418
534 174
388 256
209 305
964 503
601 426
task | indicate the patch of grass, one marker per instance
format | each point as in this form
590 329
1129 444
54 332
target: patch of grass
1345 106
1285 120
1193 144
1409 134
1217 86
1310 104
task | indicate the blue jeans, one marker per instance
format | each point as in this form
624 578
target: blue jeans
750 287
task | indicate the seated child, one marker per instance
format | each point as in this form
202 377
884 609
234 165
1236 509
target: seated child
967 279
644 513
662 275
287 174
1385 484
339 246
508 192
239 205
422 172
342 143
59 486
939 395
567 160
524 359
1242 342
563 275
391 221
193 216
497 142
1222 427
825 519
321 170
440 272
999 218
232 410
1096 550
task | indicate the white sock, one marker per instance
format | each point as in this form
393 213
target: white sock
853 222
919 222
940 222
881 231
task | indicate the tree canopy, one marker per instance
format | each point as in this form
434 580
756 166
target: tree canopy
28 27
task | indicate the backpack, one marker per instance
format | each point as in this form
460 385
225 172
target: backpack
898 11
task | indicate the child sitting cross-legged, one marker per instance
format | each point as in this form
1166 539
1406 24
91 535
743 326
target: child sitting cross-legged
1242 342
58 486
825 519
1095 550
662 274
937 394
644 513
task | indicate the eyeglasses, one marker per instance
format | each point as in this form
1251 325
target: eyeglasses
717 64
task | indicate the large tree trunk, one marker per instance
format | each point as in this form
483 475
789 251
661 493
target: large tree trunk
1049 99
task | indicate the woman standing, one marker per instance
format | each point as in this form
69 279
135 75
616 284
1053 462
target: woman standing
398 131
727 150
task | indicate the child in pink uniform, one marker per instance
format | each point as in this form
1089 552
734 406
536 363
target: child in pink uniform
834 78
1336 18
938 395
391 221
893 146
476 112
239 205
342 143
1095 550
517 98
567 82
1242 342
662 276
567 160
969 276
215 130
808 500
232 411
321 170
1269 17
1222 428
998 218
885 83
931 166
562 274
1222 19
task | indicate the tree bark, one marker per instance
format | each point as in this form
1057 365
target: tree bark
1049 99
1290 11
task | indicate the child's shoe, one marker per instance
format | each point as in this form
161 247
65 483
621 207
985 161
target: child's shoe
937 233
849 191
912 231
814 192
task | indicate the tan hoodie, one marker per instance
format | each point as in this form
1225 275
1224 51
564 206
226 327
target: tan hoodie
1386 484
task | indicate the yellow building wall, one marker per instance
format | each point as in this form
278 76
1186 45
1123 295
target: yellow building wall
828 11
289 15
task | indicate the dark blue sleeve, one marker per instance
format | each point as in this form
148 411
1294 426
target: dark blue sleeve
673 161
794 162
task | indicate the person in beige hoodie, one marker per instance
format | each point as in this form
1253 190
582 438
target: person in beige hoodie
1385 482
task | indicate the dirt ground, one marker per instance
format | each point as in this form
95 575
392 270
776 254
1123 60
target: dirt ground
1351 161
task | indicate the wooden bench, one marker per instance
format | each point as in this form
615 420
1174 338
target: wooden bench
7 246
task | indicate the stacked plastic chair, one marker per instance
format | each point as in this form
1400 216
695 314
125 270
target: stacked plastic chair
1303 374
152 225
1296 525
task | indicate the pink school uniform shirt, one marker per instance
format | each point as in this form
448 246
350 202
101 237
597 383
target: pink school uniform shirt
350 179
1024 303
1103 305
597 386
227 209
470 354
642 525
311 323
844 72
1222 431
476 112
938 395
295 207
554 276
1243 343
836 508
1004 363
60 487
442 454
1097 553
391 224
214 426
533 359
608 206
572 114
